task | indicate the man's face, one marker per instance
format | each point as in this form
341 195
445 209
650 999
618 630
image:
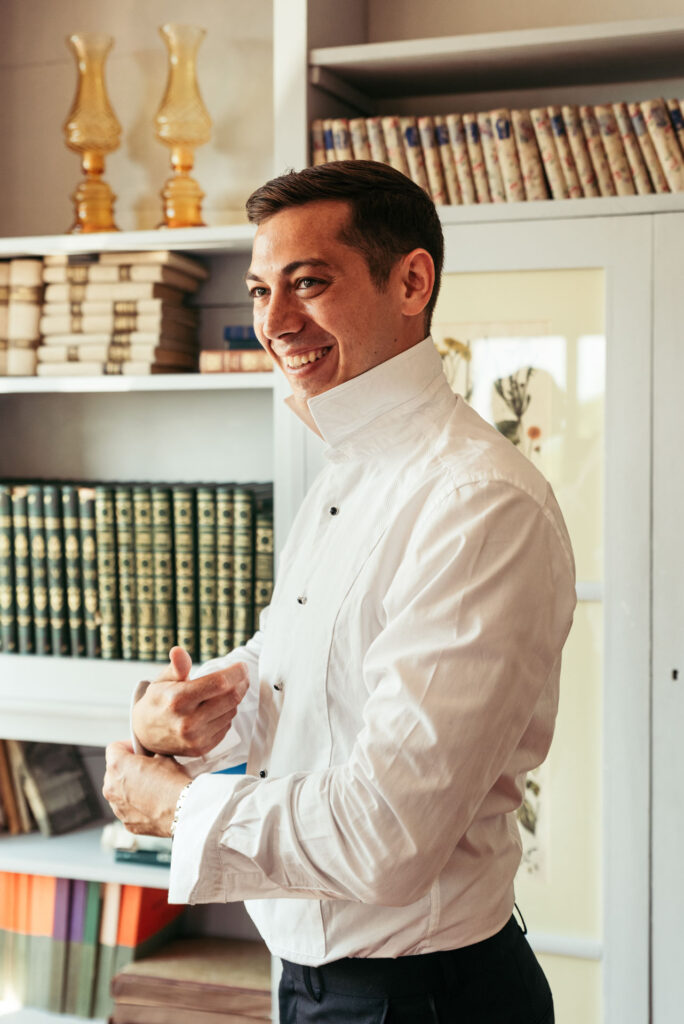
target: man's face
316 309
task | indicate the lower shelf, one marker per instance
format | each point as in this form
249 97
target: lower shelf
28 1016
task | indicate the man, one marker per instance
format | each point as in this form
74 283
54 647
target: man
407 668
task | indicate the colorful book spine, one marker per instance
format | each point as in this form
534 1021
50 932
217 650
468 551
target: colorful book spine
396 153
42 911
72 568
144 571
224 567
206 572
164 584
549 153
578 148
146 920
89 571
317 142
597 152
447 159
376 140
108 596
85 983
459 148
433 161
77 913
615 151
243 566
106 950
8 615
677 118
125 562
39 574
476 158
329 140
184 545
414 151
54 542
635 158
342 139
491 158
665 142
564 150
651 158
22 570
20 965
359 138
59 945
517 148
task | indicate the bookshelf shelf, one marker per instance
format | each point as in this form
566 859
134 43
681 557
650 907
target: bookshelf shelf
157 383
578 54
75 855
27 1015
228 239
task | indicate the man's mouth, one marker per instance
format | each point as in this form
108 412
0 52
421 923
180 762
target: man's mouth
294 362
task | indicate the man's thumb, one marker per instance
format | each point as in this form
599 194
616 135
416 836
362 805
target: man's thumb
181 663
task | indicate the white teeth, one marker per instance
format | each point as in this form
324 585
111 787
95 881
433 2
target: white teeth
294 362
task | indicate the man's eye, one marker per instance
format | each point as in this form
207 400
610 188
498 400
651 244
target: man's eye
305 283
257 292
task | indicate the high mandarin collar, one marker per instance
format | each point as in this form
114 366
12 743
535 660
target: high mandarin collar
342 415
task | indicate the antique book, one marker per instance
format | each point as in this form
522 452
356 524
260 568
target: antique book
57 786
8 617
164 583
243 565
476 158
615 151
25 296
342 139
651 158
518 155
106 326
446 156
144 571
665 142
359 138
394 143
317 142
16 767
178 261
237 361
414 151
263 554
635 157
56 570
578 148
121 291
72 567
497 191
677 118
107 581
541 123
329 140
113 274
433 161
117 352
376 140
225 516
39 571
4 305
597 151
8 796
564 150
184 541
89 571
125 564
90 368
206 572
22 569
156 309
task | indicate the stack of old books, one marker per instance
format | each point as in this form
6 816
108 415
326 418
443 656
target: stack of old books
203 980
122 313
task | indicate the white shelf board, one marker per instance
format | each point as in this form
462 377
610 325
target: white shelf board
235 238
71 700
562 209
116 383
28 1015
76 855
642 49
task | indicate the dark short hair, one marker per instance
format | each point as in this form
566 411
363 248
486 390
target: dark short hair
390 214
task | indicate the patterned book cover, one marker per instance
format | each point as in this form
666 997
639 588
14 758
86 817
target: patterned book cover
635 157
263 555
22 569
184 546
414 151
433 161
665 141
108 590
243 565
359 138
549 153
342 139
54 540
651 158
8 618
39 573
567 160
224 567
125 562
394 142
677 118
517 146
491 157
376 140
476 158
317 142
164 583
144 571
206 572
91 592
329 139
578 148
72 568
615 151
597 151
447 159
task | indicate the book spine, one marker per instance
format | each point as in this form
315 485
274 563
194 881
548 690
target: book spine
578 148
342 139
376 140
651 158
396 154
8 606
22 570
665 142
105 530
125 563
459 148
597 152
447 159
317 142
567 161
549 154
677 120
144 572
235 361
72 567
329 140
54 542
243 566
206 572
359 138
39 573
615 151
263 557
414 151
164 584
433 161
89 575
476 158
491 158
515 142
224 567
633 152
184 545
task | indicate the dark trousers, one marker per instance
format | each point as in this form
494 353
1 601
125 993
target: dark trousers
497 981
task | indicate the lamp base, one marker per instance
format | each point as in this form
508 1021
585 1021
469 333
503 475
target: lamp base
182 199
94 207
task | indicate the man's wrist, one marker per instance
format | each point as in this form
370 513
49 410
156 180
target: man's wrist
179 807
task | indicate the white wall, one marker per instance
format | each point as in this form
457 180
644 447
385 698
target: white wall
37 83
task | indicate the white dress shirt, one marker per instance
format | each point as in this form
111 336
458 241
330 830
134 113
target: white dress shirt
403 681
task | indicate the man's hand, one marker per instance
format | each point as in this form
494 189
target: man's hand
142 791
185 716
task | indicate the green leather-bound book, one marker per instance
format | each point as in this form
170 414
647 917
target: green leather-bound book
91 594
107 584
8 613
206 572
184 542
243 565
39 573
263 555
144 571
22 570
224 568
54 541
125 560
72 568
164 584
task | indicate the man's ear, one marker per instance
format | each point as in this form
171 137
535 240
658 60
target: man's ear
417 279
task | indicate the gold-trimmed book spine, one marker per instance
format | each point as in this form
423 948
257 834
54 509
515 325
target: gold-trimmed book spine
89 572
184 540
72 569
22 570
243 575
125 563
263 556
164 584
224 567
39 571
108 590
206 572
54 540
144 571
8 615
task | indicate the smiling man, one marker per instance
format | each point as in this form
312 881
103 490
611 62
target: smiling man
404 678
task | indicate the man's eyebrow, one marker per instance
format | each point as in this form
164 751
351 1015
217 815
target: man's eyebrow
290 268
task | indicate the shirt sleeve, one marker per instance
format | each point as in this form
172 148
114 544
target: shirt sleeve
475 619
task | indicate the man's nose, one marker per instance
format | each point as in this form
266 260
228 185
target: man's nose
282 316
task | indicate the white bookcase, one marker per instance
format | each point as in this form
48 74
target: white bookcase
210 427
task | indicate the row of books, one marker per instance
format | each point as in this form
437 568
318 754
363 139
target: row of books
198 980
241 353
128 570
89 314
62 941
512 155
44 786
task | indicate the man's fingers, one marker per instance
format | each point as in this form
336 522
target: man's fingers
116 749
231 681
181 662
